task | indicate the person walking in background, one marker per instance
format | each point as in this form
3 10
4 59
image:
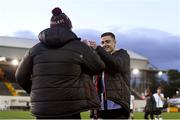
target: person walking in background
113 84
132 107
150 106
57 72
159 98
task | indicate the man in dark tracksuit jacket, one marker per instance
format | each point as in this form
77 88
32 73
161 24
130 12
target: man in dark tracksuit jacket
113 85
57 72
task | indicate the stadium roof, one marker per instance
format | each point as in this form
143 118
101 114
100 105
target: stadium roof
17 42
28 43
134 55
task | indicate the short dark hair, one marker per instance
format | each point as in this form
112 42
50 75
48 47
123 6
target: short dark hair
159 87
108 34
148 90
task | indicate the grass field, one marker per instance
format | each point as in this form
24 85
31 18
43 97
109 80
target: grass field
84 115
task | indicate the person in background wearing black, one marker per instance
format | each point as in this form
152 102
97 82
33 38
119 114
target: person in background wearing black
150 106
57 72
113 84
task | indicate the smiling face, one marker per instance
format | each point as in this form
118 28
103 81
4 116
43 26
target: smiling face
108 43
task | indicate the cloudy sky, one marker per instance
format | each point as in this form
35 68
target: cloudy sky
148 27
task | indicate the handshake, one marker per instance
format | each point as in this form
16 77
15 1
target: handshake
90 43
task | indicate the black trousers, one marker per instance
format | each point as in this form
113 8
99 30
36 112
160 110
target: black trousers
114 114
158 111
75 116
149 113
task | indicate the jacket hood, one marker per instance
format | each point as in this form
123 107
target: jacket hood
56 37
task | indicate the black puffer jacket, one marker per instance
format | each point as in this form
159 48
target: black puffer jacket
117 74
57 74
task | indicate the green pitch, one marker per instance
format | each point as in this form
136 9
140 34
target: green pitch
84 115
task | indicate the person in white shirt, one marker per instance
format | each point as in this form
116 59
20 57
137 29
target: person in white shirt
159 98
132 106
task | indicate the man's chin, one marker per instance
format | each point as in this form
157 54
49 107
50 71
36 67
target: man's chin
108 50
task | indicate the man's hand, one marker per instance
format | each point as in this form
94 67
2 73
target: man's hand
93 44
162 98
90 43
86 42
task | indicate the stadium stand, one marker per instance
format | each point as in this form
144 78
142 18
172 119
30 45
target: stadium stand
8 85
3 89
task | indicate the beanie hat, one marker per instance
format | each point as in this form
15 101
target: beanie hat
59 19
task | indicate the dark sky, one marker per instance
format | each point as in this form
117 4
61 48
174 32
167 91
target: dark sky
161 48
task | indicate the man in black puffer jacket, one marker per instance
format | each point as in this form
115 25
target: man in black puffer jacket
113 85
57 72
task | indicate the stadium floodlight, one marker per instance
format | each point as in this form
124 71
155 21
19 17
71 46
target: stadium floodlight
177 92
135 71
160 73
15 62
